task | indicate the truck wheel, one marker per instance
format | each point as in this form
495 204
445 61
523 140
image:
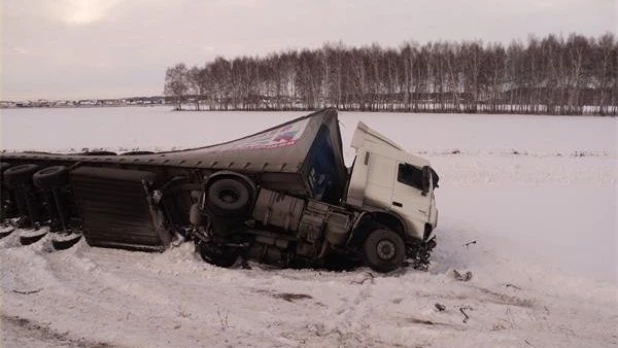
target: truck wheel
4 194
51 177
219 256
384 250
4 166
229 197
31 236
14 176
65 241
6 230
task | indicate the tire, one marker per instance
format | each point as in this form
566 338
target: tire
65 243
219 256
6 230
4 166
384 250
4 193
51 177
30 239
229 197
21 174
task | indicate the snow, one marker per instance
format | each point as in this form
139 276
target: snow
160 128
537 194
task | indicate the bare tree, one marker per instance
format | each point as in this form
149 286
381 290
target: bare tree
176 84
547 75
196 85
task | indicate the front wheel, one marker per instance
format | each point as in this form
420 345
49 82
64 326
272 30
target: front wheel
384 250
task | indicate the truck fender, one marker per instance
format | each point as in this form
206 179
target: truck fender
387 219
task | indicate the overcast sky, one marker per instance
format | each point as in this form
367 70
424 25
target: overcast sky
115 48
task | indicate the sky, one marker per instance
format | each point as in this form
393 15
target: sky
75 49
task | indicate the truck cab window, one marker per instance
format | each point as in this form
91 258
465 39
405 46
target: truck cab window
410 175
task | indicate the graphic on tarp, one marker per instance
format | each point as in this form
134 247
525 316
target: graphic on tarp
279 137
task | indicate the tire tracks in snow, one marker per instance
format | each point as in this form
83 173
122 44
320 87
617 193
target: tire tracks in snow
22 328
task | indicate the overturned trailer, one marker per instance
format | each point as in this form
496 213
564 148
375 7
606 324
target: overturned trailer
282 196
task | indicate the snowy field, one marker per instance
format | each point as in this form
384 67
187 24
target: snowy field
537 194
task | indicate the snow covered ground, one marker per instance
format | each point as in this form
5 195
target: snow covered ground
537 194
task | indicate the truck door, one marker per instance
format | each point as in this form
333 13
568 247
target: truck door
408 196
379 183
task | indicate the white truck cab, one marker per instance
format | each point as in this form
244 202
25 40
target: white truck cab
384 177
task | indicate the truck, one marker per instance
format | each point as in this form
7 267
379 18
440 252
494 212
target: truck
283 196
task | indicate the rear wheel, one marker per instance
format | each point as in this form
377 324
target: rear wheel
4 194
3 167
384 250
31 236
15 176
229 197
51 177
65 240
6 230
18 180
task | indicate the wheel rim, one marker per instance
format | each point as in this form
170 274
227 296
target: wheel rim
386 249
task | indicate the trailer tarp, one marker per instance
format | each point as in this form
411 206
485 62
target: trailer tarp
308 147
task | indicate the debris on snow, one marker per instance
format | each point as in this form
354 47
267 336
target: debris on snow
463 311
223 320
29 292
470 243
420 321
462 277
509 285
286 296
290 297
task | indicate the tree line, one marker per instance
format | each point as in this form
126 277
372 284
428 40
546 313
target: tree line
550 75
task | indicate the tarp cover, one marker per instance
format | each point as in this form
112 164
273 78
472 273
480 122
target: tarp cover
309 146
